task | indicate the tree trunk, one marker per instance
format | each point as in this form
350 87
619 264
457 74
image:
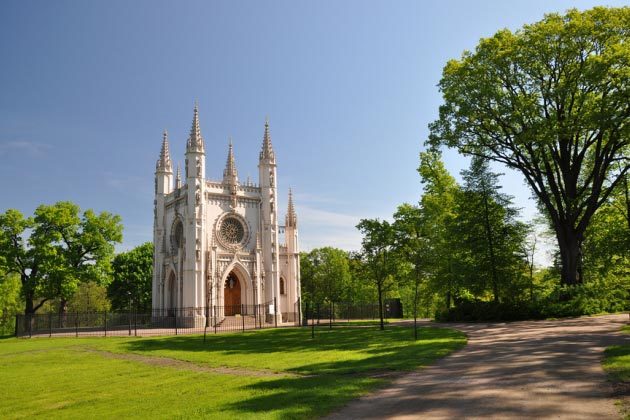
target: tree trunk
570 245
63 311
380 305
488 229
29 311
415 311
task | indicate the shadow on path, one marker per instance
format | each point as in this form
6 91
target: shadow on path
534 369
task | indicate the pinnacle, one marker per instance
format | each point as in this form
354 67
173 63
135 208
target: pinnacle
267 149
164 162
195 140
230 165
291 219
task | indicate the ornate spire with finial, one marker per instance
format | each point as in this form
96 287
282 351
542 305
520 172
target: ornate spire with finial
164 162
178 178
291 219
195 141
229 173
267 150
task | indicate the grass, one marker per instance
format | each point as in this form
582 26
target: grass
66 378
616 363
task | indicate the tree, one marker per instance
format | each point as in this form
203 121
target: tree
89 297
377 251
63 249
551 101
412 245
489 237
133 277
325 276
438 213
607 244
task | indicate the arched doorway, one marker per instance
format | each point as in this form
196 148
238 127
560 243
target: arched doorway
171 304
232 295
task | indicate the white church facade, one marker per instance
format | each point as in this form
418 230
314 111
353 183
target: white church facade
219 249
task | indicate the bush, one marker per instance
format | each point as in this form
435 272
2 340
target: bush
605 295
477 310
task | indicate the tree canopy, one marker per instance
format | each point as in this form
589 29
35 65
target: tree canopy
551 101
57 249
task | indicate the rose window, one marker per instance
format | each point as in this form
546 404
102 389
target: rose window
232 231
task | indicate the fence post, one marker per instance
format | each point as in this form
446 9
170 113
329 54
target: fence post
275 310
176 310
299 312
17 320
243 318
50 325
76 324
30 325
135 323
204 333
330 317
105 324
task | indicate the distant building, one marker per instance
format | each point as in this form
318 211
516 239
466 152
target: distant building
217 244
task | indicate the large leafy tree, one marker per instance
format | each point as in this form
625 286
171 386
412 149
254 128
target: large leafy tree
551 101
57 249
133 276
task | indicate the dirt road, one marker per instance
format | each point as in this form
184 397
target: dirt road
531 369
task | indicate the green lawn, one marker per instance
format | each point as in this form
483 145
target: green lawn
616 363
65 377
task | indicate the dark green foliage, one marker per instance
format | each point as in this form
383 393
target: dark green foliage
478 310
133 275
594 297
487 238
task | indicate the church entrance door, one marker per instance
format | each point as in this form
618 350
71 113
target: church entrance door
232 295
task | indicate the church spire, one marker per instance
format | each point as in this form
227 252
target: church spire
229 173
178 178
195 141
291 219
267 150
164 162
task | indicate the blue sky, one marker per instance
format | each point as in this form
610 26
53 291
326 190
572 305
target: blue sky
86 89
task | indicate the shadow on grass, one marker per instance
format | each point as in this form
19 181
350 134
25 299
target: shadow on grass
363 355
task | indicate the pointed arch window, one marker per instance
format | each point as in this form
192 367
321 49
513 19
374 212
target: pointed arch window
282 289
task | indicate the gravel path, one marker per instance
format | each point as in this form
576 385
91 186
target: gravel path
530 369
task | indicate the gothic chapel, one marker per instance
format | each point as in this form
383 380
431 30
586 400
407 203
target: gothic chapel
217 249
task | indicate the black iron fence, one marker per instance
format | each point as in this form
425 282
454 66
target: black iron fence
339 312
199 320
196 320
